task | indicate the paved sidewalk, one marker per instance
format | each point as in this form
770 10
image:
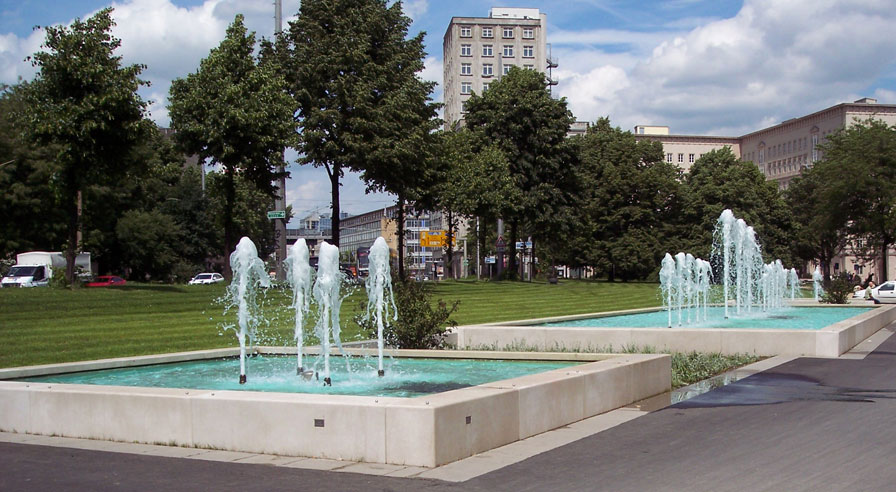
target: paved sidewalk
807 424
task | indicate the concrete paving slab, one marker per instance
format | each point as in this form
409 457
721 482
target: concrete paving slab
269 459
216 455
371 468
408 471
318 464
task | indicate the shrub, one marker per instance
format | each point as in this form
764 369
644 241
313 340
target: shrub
838 292
419 325
688 368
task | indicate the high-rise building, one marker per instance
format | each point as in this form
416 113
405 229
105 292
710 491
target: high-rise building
478 50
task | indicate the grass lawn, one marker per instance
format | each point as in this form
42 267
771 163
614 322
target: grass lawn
42 326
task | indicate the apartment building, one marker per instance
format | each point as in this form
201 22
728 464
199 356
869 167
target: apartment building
478 50
781 152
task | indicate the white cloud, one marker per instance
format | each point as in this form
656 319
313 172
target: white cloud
772 61
415 9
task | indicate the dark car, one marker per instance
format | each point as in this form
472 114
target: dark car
106 281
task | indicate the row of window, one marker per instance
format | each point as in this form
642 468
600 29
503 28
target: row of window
488 50
507 32
691 158
488 70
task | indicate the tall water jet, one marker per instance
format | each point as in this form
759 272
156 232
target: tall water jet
667 284
723 227
248 273
299 275
327 295
817 279
379 281
794 280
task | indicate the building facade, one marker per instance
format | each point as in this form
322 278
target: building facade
478 50
781 152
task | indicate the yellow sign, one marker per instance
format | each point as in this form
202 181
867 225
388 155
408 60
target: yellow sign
433 239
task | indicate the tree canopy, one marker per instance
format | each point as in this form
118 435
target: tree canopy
84 105
235 112
353 72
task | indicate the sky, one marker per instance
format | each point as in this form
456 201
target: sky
717 67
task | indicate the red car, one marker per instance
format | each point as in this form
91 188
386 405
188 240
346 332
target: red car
106 281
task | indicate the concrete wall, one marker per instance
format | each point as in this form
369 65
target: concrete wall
830 341
423 431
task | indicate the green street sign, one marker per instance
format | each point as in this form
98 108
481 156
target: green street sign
277 214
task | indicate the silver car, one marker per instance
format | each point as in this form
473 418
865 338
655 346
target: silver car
885 292
206 278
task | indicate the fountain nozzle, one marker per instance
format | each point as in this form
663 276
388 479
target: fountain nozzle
242 379
381 372
328 382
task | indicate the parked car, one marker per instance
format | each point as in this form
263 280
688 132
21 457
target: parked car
206 278
106 281
885 292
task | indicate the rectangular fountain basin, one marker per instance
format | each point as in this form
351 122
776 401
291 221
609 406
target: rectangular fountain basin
427 431
829 341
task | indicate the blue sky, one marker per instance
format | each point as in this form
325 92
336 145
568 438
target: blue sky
700 67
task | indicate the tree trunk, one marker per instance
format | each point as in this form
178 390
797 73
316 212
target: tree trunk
449 265
74 219
333 172
229 202
400 232
511 243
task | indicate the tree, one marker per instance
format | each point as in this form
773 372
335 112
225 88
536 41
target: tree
234 112
473 184
519 116
627 199
361 106
719 180
819 231
85 105
30 218
866 153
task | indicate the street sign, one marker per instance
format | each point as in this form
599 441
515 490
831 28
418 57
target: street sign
489 259
432 239
500 244
277 214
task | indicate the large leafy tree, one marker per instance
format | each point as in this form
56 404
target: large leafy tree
627 198
84 104
234 112
31 220
361 106
472 184
866 153
820 232
519 116
719 180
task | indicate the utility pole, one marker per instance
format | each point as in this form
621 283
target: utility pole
280 201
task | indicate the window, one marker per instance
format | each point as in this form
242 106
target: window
466 50
668 157
508 50
507 32
814 148
528 33
466 69
485 87
530 67
506 69
466 32
691 158
463 106
680 157
466 87
487 32
487 70
487 50
528 52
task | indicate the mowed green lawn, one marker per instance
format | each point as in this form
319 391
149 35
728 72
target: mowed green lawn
41 326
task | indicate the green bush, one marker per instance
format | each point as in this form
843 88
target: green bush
838 292
688 368
419 325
